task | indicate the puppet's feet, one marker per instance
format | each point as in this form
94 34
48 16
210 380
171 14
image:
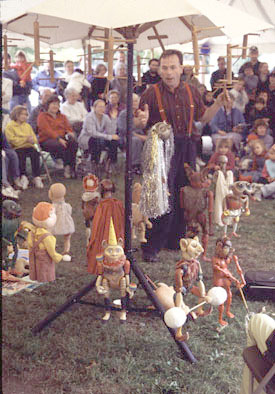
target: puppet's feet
235 235
183 337
206 258
66 257
202 313
229 314
223 322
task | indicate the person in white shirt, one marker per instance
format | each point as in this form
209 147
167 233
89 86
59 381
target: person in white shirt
240 95
73 109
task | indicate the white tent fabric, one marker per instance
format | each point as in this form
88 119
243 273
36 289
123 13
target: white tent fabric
130 12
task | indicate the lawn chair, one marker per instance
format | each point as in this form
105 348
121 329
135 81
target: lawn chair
44 156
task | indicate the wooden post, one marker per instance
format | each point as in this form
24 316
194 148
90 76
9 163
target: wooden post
229 64
245 42
51 67
89 55
6 63
195 50
110 55
36 43
139 71
106 45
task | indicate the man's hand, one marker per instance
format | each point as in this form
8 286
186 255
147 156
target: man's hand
143 116
115 137
222 98
63 142
22 83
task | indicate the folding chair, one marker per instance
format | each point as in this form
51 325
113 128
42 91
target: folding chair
44 156
260 369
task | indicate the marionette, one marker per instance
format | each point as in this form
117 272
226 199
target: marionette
41 243
139 221
90 200
113 273
11 211
188 271
156 157
223 179
64 222
194 199
108 207
222 276
234 204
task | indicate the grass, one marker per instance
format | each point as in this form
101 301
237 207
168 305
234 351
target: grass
77 354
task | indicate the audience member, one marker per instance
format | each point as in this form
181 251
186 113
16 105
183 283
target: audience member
259 131
202 89
240 95
62 83
218 74
97 134
189 77
253 54
150 77
138 135
120 59
228 123
42 79
256 111
21 137
119 83
56 136
250 81
7 190
263 77
113 109
46 93
11 163
258 155
223 148
98 83
74 110
207 98
271 101
7 86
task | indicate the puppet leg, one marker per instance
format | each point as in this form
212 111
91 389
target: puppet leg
107 300
221 321
235 226
123 293
182 337
88 235
67 247
228 304
142 230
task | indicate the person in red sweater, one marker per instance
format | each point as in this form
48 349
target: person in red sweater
22 67
56 136
223 148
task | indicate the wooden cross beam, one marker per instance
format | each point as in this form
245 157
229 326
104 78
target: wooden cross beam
245 43
157 37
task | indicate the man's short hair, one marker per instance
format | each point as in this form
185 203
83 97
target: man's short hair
221 58
253 49
171 52
153 60
68 61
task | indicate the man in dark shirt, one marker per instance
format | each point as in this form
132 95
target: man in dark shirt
220 73
169 228
150 77
253 54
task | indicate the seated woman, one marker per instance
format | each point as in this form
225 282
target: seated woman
119 83
21 137
97 134
113 109
138 136
98 83
74 110
228 123
56 136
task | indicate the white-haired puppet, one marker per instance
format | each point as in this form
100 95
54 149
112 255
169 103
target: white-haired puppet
156 157
41 243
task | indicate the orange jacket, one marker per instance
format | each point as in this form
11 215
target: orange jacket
52 128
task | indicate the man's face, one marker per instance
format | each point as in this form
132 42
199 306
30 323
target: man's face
261 130
253 56
113 99
121 57
170 71
248 71
45 95
221 65
154 67
69 68
135 102
47 66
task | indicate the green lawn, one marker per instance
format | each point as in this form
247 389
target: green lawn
78 354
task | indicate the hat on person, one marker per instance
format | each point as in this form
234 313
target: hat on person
253 49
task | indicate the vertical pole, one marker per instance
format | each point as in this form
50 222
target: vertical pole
128 171
36 43
196 50
5 38
245 42
229 64
51 67
89 59
138 70
106 45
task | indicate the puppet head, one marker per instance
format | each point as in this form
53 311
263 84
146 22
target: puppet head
198 180
57 192
162 129
90 183
223 248
107 187
44 215
190 248
241 188
113 249
11 210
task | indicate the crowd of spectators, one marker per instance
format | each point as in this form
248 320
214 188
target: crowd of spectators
88 112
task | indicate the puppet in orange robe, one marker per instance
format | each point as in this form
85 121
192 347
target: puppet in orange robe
107 208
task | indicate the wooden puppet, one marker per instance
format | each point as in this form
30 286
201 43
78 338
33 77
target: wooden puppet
139 220
195 199
108 207
222 275
113 273
90 200
11 211
235 203
64 222
41 243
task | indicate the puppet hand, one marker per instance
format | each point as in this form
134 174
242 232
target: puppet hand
247 212
226 213
101 290
130 292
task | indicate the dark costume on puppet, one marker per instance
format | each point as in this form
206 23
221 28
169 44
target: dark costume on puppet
10 224
107 208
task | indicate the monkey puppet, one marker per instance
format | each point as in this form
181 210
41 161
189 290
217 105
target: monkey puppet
139 220
188 271
108 207
11 211
222 276
194 199
234 204
90 200
113 273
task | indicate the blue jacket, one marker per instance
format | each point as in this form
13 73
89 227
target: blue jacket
45 83
226 122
